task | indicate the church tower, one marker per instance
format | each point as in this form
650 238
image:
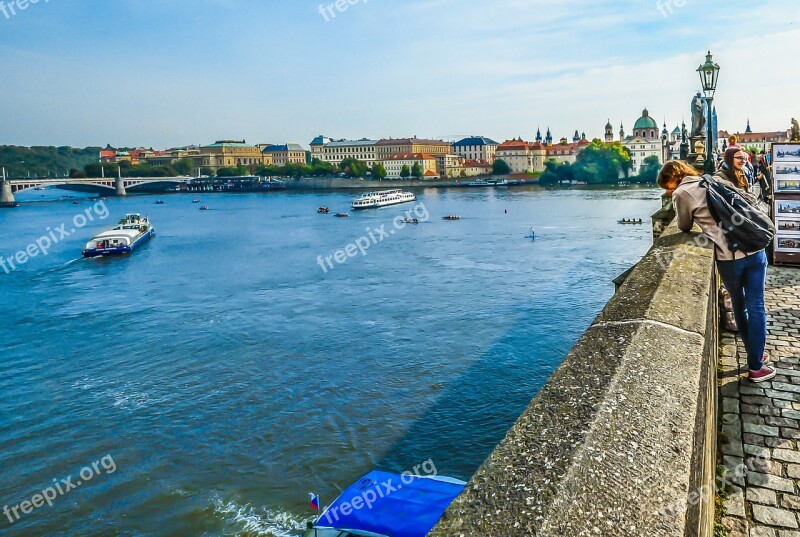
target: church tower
609 132
549 138
621 133
538 135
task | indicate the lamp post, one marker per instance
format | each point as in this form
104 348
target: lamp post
709 73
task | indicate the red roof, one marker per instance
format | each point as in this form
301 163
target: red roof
567 149
476 164
757 137
108 154
431 173
515 145
410 156
410 141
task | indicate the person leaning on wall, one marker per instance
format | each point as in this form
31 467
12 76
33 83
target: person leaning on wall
743 273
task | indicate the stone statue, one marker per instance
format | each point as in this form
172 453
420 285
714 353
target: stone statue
698 115
795 131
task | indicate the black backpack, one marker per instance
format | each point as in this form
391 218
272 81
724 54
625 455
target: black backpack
742 217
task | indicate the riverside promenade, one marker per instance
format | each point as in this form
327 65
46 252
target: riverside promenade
760 423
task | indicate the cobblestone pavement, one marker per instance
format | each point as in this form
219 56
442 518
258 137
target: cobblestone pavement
760 423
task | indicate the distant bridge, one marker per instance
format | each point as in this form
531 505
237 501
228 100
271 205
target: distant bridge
108 186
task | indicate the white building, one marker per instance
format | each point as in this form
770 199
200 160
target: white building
334 152
647 139
476 148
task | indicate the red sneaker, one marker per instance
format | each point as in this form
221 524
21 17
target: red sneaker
765 373
765 359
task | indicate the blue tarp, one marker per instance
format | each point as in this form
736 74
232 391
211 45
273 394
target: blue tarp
389 504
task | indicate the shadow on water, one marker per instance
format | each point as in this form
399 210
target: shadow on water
475 411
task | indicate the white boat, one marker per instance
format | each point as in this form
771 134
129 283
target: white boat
385 198
487 182
130 233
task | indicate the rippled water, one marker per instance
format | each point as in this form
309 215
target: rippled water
227 375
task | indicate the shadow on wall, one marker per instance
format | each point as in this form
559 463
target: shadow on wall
475 411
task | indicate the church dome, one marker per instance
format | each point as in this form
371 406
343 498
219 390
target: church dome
645 122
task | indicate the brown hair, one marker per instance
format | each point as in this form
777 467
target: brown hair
673 172
733 139
736 177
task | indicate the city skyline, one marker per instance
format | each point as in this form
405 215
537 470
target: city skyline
173 74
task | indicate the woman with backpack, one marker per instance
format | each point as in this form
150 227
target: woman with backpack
743 273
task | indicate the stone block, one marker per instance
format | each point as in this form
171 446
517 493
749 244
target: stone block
762 496
771 482
763 430
787 455
774 516
790 501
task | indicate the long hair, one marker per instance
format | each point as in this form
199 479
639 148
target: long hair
737 177
673 172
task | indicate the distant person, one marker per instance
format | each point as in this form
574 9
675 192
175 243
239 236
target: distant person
744 274
733 141
763 177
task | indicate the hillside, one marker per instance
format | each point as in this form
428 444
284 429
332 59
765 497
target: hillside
45 161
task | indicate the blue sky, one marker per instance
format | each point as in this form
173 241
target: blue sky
172 72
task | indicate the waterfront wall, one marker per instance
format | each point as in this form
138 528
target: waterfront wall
623 435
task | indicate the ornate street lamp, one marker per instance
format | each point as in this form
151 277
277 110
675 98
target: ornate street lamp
709 73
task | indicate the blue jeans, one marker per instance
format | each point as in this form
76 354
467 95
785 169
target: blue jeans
745 279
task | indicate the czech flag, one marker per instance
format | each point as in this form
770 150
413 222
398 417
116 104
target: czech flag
314 501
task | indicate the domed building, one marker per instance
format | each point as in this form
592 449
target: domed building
647 139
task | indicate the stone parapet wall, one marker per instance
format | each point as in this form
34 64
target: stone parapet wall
623 436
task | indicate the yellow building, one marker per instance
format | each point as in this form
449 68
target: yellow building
449 165
227 154
281 155
394 164
388 147
522 156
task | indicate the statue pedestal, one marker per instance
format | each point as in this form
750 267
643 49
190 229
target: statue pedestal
697 155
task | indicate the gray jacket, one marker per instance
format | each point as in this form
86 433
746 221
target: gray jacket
691 207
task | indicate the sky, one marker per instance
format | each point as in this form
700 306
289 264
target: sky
169 73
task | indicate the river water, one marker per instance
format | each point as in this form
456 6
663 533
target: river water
220 373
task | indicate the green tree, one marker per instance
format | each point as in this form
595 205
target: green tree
416 170
183 166
353 168
648 171
501 167
405 172
556 173
602 163
463 173
379 171
97 169
228 172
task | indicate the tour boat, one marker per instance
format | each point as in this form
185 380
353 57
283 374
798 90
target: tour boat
384 198
383 504
487 182
131 232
